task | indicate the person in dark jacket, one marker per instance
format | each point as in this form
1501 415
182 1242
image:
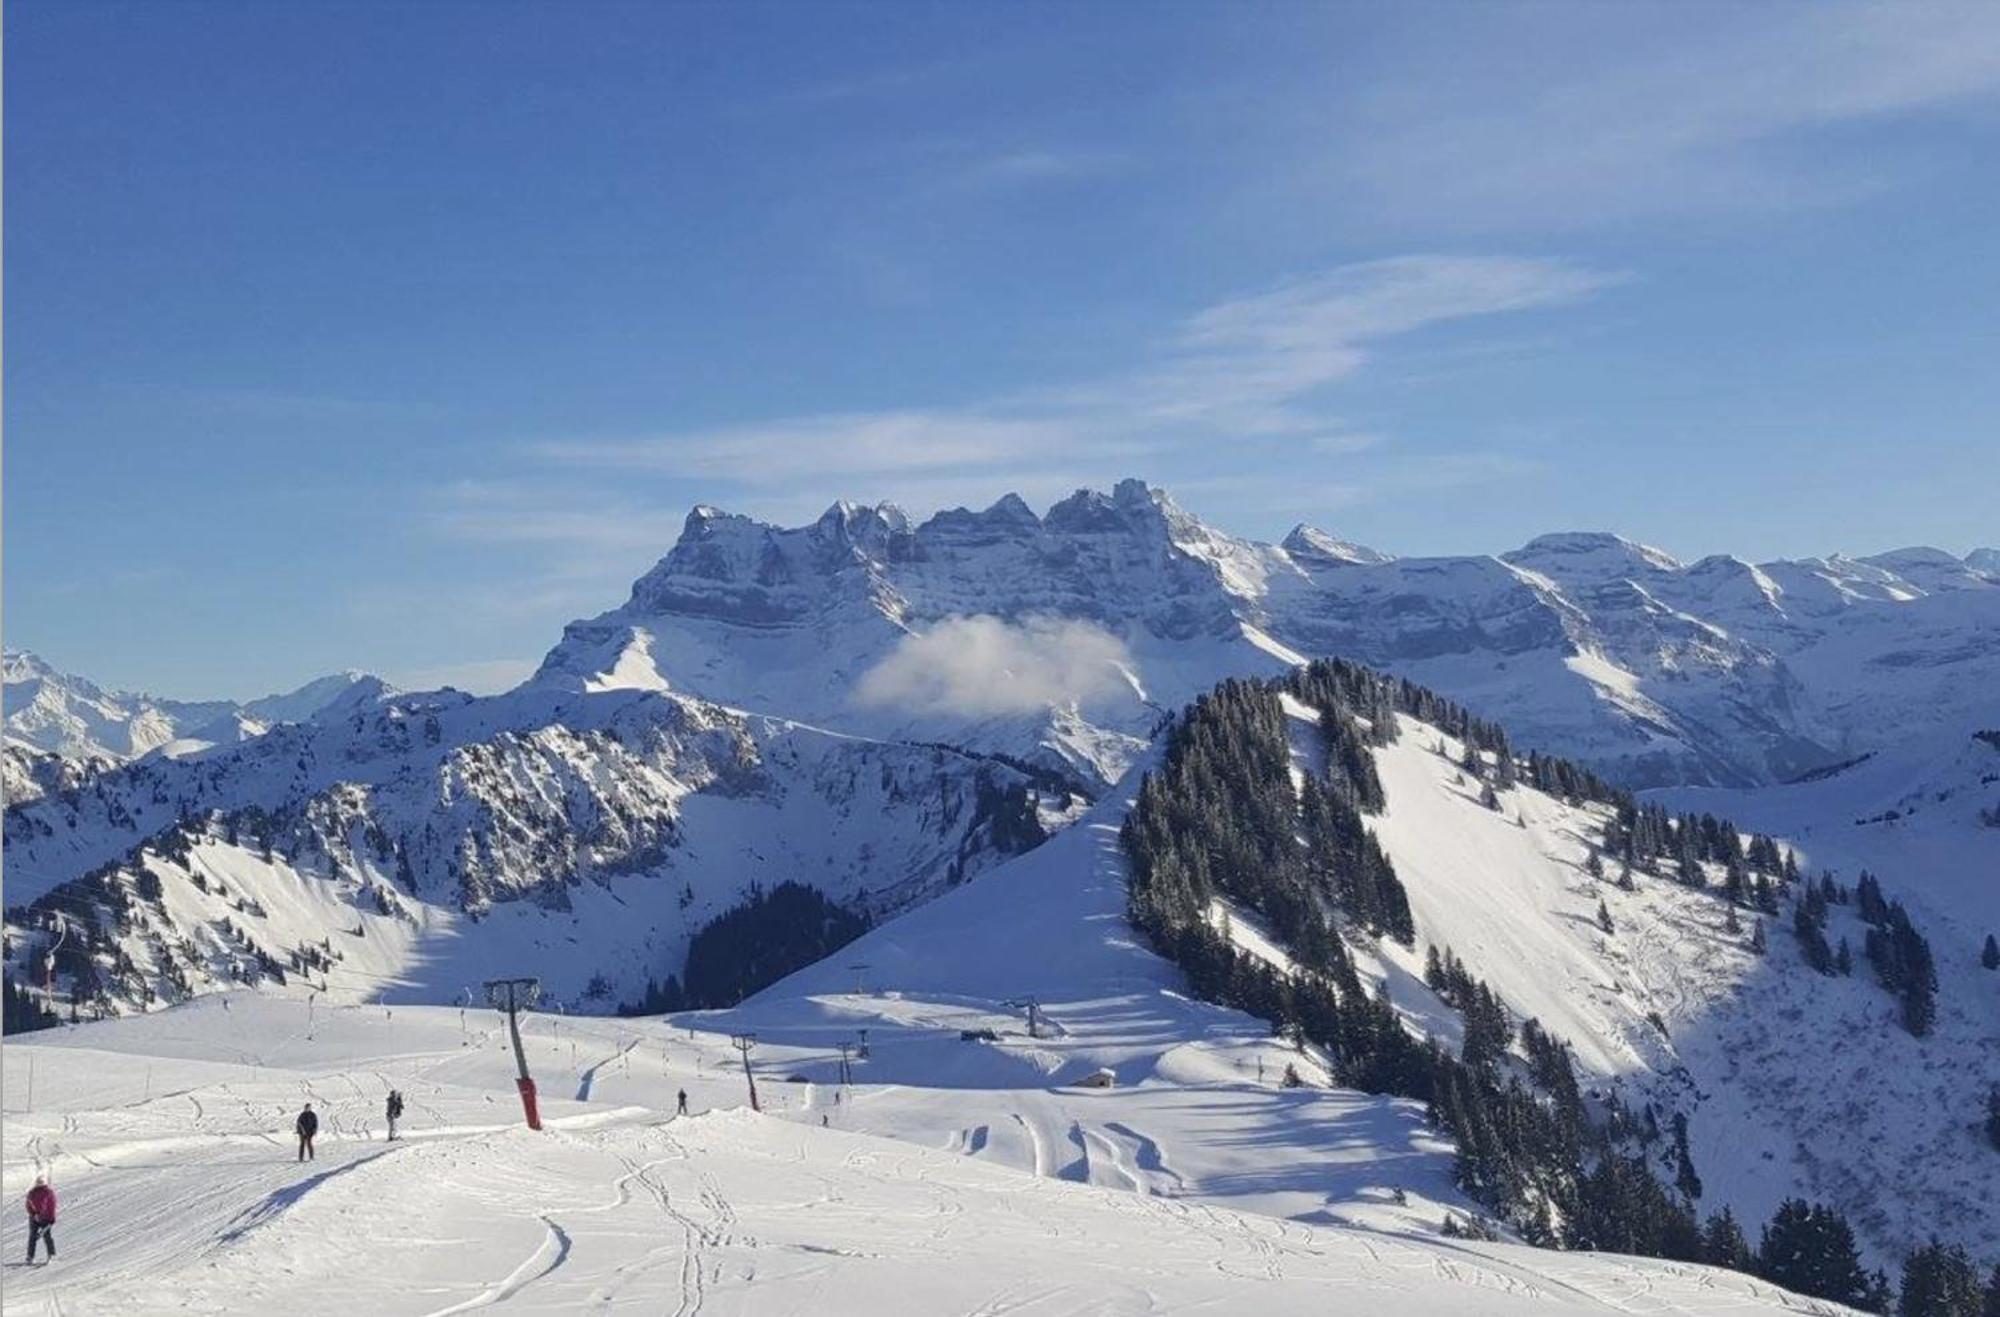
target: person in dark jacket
41 1218
395 1111
684 1102
307 1125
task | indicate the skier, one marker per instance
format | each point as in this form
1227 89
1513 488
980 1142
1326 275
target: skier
41 1218
395 1110
684 1102
307 1125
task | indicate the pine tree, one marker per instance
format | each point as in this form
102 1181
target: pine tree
1919 1010
1993 1119
1990 957
1757 941
1685 1178
22 1012
1604 917
1939 1281
1723 1244
1843 959
1810 1249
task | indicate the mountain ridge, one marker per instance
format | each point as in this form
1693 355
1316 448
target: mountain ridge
55 711
1718 672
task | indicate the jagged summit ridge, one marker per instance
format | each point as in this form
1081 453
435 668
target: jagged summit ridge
1652 669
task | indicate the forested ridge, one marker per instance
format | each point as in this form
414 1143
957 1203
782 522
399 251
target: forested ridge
1222 820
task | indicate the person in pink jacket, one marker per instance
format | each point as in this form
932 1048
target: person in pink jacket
41 1218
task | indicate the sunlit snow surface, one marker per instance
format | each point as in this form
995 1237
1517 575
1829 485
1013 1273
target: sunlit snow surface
167 1136
952 1176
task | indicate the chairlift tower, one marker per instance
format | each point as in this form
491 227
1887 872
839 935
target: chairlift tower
744 1043
514 996
1033 1007
49 965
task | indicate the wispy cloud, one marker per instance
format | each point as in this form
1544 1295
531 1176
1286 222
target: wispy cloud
1632 113
1243 369
888 442
1240 365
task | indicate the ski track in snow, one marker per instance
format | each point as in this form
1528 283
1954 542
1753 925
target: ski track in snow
555 1247
589 1077
615 1207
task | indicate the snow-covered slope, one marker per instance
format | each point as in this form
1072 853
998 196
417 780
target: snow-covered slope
1794 1082
1197 1109
1671 1009
167 1137
1925 815
50 710
1614 653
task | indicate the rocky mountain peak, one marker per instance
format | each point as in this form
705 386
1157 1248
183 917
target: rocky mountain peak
1315 547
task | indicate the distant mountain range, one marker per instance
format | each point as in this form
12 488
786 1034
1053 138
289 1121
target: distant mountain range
55 711
1093 619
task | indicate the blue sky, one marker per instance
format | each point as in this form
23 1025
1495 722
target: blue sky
395 336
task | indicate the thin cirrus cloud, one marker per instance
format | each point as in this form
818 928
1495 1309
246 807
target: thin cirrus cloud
1244 369
1597 118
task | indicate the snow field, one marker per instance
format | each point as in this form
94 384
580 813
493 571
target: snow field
190 1200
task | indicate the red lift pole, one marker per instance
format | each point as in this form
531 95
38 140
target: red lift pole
513 996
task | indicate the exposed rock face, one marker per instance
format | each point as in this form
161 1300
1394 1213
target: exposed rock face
1654 671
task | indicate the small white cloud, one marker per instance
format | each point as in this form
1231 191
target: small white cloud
983 666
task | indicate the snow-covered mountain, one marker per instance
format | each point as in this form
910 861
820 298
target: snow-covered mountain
424 843
55 711
1062 637
407 854
883 710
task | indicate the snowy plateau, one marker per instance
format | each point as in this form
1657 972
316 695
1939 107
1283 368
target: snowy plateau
941 727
